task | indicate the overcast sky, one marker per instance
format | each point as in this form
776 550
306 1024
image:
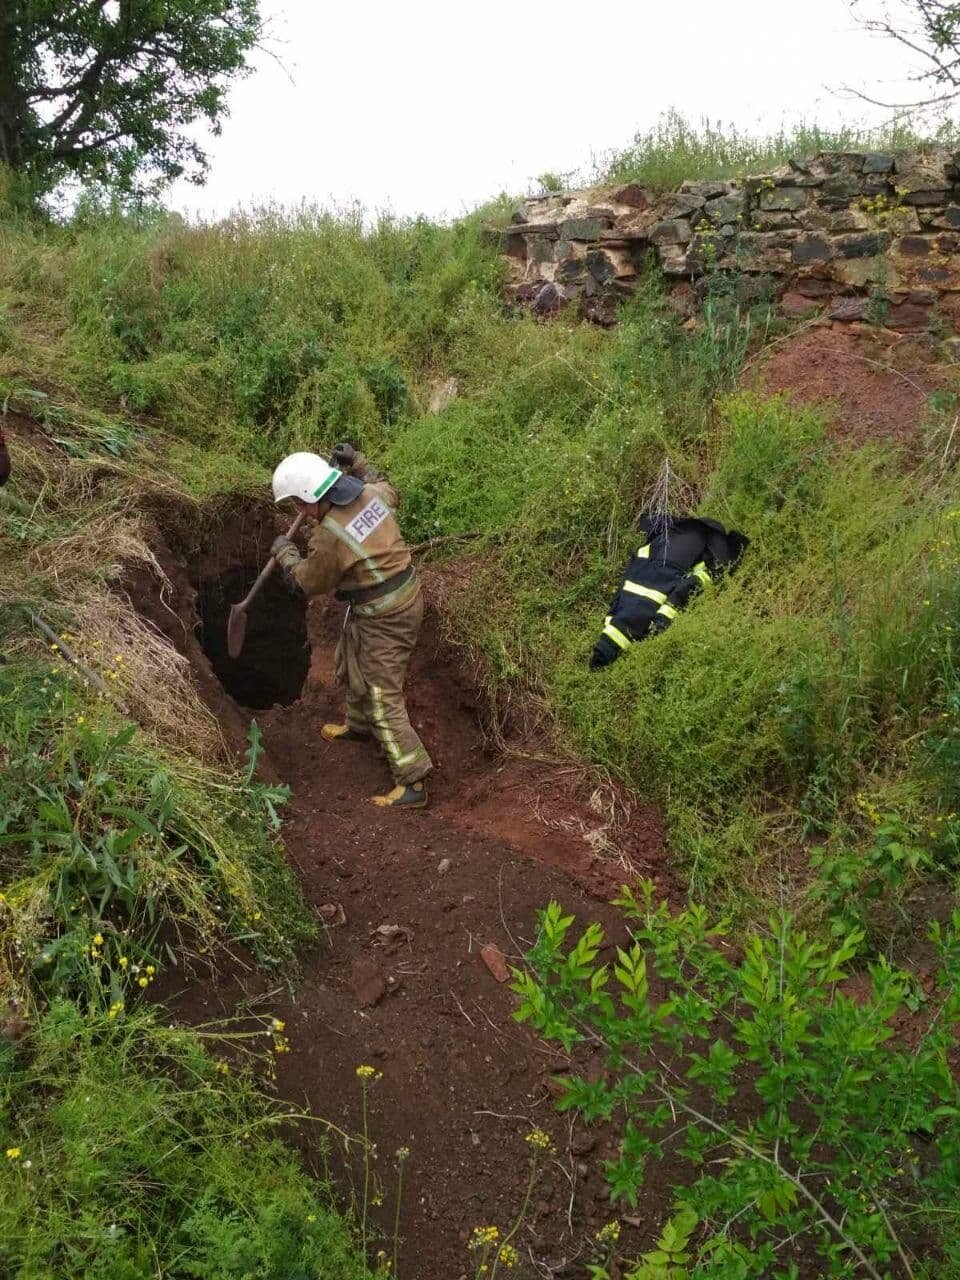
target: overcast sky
433 106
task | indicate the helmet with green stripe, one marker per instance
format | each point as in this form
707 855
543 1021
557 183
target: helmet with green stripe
305 476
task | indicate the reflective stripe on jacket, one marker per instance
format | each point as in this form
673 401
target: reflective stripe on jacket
683 555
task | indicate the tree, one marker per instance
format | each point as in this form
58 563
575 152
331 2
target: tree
107 90
931 30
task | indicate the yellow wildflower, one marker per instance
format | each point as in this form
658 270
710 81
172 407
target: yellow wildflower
143 982
151 970
98 939
483 1236
509 1256
123 962
609 1234
13 1153
369 1073
539 1139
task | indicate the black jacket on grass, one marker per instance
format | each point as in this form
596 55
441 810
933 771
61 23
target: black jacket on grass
681 556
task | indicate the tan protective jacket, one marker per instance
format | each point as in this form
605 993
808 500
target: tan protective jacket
357 547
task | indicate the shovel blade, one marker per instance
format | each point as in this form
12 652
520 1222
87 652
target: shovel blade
236 630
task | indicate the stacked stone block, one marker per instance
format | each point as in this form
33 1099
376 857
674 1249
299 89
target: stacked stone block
854 235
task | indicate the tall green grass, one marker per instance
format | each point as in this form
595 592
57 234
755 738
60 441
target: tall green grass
676 149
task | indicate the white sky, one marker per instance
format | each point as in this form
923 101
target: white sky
433 106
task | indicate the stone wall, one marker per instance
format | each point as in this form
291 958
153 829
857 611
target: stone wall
853 235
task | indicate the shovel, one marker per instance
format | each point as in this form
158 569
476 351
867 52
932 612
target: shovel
237 622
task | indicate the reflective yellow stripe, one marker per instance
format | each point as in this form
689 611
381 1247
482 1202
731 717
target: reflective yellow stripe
644 552
635 588
700 571
667 610
615 634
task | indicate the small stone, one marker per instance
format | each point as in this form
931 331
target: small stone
546 300
908 317
811 249
847 309
864 245
913 246
367 982
468 898
672 231
581 1144
540 249
443 866
796 307
783 198
332 913
632 194
600 266
709 190
724 209
682 204
842 186
877 162
584 228
496 961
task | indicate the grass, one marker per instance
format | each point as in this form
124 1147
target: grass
136 1156
676 149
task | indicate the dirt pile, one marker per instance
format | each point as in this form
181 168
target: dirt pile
871 389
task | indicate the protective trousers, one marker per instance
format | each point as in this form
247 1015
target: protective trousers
371 663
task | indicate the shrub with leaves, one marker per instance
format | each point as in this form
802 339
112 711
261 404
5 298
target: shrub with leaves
818 1140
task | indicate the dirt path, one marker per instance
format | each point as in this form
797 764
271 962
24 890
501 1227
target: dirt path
462 1082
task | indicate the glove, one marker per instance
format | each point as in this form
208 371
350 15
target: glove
343 457
285 552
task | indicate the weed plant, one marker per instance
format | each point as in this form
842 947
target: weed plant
805 1136
128 1152
676 149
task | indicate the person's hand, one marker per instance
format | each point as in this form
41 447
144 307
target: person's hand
285 552
344 456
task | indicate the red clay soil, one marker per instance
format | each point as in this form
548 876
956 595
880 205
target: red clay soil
874 387
462 1083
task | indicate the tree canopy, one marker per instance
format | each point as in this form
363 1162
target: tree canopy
108 90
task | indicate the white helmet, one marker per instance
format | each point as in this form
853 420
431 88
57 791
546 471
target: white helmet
305 476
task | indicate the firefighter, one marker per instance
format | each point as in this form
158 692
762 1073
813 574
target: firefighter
358 553
680 556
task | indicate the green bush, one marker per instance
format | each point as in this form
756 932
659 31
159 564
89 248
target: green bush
809 1134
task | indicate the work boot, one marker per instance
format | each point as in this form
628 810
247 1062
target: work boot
413 796
342 733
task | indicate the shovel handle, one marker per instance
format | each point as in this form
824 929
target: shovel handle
269 567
